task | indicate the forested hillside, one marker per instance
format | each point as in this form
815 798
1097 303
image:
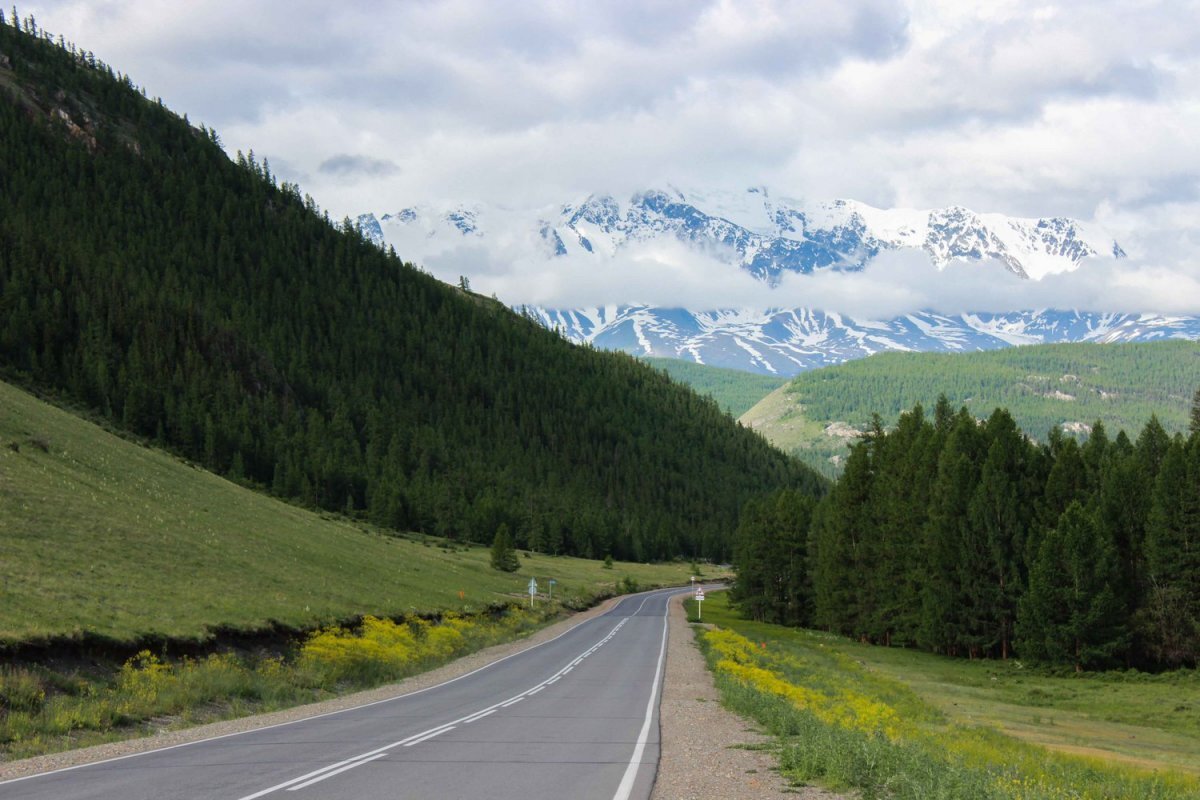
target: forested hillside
967 538
190 299
735 391
1042 386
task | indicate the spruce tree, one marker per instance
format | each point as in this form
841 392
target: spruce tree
504 556
1070 615
945 620
1172 555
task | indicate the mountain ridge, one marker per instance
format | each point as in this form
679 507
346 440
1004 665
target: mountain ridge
769 238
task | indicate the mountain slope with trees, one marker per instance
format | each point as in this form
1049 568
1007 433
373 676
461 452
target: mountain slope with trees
818 414
192 300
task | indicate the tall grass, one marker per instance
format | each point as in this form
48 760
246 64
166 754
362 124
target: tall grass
848 727
41 711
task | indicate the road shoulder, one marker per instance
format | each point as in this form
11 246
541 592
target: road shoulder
703 744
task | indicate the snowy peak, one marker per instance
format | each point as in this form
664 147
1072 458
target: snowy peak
754 231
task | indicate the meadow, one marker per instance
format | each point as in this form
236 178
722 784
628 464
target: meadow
107 539
898 723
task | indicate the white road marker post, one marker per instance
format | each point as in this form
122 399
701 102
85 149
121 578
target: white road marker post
532 590
699 603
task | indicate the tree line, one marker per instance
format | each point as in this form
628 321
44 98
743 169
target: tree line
193 300
967 538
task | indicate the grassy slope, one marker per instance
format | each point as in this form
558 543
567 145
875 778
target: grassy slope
1122 385
1150 721
735 391
100 535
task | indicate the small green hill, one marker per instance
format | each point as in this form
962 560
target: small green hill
1068 385
102 536
735 391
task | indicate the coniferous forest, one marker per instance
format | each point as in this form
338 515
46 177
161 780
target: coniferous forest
967 538
192 300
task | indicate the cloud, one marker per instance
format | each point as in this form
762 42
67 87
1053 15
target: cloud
1024 108
349 166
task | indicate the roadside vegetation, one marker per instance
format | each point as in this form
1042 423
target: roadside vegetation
44 710
898 723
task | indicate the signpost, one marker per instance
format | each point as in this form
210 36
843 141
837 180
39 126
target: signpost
552 582
532 590
699 602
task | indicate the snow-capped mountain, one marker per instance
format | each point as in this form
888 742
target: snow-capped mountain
768 237
788 341
763 235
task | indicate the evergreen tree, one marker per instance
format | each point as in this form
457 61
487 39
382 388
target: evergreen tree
504 556
1070 614
993 558
843 526
1194 416
1173 556
945 620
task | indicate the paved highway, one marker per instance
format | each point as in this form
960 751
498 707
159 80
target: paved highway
575 717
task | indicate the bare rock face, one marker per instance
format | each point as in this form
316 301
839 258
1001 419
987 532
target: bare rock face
74 129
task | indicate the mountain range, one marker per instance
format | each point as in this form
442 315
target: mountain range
768 237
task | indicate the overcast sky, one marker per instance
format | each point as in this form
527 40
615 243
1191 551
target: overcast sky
1087 109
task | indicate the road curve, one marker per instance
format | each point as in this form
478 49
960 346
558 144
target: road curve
576 716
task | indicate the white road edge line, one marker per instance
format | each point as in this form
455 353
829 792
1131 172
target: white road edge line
320 778
626 785
327 713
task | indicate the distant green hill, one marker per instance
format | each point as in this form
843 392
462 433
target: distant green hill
735 391
191 299
101 536
1069 385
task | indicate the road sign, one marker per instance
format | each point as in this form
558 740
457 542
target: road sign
532 590
551 582
699 602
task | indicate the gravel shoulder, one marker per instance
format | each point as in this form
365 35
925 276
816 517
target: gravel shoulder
703 744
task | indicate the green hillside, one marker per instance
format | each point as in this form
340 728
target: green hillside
735 391
104 536
194 301
1069 385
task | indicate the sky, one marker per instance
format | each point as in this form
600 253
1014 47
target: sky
1083 109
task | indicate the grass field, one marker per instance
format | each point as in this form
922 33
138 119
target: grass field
950 722
105 537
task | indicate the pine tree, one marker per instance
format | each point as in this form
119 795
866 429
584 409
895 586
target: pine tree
1173 555
945 620
836 547
993 559
1070 614
504 556
1194 417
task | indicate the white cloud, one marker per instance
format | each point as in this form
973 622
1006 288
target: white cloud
1025 108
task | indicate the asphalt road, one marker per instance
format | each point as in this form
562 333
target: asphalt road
575 717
